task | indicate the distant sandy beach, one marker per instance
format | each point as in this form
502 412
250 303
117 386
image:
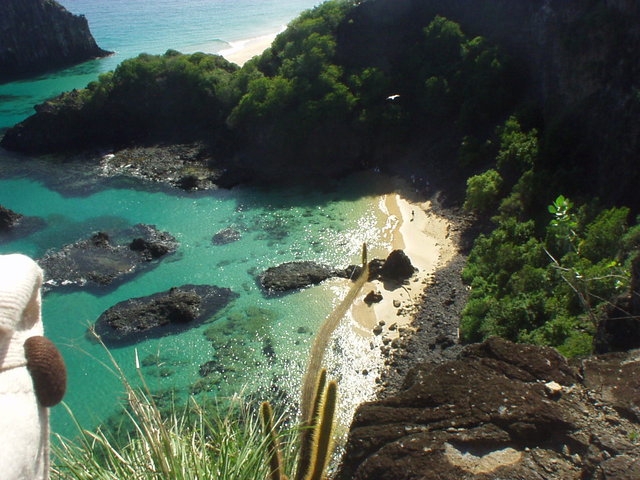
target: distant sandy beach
242 51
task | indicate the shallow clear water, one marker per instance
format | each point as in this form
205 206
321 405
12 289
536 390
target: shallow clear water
277 225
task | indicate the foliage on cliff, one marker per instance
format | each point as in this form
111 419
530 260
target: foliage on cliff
150 97
302 100
297 100
542 277
355 84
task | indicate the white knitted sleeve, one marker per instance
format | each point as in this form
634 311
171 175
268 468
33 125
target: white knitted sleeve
20 282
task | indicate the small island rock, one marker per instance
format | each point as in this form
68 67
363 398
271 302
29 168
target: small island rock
293 275
8 219
161 314
106 259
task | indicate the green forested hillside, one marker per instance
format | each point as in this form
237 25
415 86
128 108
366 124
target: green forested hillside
523 108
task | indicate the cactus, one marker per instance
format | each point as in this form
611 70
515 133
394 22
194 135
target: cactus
322 438
315 436
364 255
308 426
275 456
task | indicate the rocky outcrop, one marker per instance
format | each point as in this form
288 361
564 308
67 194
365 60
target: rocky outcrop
293 275
186 166
41 35
14 225
226 235
8 219
161 314
503 410
397 267
106 259
289 276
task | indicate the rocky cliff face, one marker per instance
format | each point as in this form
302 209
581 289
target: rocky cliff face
499 411
577 59
40 35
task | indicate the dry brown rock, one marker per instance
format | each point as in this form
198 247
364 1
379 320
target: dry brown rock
489 414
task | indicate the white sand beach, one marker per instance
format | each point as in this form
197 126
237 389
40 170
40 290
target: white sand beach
425 239
242 51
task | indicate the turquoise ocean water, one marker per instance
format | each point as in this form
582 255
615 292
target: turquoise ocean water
277 225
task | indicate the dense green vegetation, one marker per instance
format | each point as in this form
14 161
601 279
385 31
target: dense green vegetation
154 93
447 100
543 277
296 101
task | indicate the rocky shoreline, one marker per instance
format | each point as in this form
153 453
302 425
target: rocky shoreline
185 166
503 410
444 410
432 334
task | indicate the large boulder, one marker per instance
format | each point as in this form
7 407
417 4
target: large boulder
397 267
106 259
161 314
501 410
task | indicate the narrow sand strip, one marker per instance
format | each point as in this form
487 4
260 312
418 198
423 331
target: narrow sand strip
244 50
424 237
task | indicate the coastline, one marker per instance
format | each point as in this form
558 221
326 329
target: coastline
425 238
244 50
414 322
430 317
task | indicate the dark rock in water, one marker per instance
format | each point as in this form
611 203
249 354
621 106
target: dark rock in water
502 410
161 314
373 297
226 235
151 248
294 275
353 272
106 259
14 225
397 267
41 35
8 219
268 350
182 165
